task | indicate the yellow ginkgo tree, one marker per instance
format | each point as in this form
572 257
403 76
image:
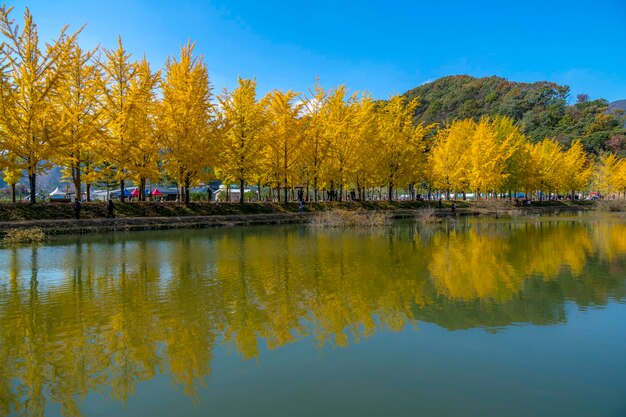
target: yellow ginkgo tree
576 170
30 123
241 134
186 119
449 157
341 127
610 176
283 139
79 101
400 147
11 174
316 144
544 168
143 161
119 105
488 156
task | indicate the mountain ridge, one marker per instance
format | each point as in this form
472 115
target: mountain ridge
540 108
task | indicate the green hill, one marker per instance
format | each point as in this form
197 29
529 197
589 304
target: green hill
540 108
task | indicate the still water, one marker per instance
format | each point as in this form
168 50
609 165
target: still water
470 318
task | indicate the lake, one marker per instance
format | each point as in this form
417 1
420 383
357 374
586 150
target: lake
475 317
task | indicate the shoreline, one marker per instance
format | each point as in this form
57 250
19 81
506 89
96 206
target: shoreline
65 226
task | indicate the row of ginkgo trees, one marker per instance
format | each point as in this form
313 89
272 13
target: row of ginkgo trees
104 117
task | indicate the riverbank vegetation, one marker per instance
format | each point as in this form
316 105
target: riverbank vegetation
107 119
97 210
345 218
32 235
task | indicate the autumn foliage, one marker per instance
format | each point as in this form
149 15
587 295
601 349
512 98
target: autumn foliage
107 118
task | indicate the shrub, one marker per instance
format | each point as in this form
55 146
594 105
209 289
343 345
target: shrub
427 215
344 218
34 235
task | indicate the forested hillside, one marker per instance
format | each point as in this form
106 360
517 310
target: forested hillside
540 108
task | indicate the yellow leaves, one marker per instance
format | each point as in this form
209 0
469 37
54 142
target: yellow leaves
119 106
340 127
316 144
78 96
576 169
185 117
494 156
29 122
546 161
610 174
449 158
12 176
484 158
283 138
399 144
241 135
478 156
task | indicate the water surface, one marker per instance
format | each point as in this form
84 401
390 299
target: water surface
474 318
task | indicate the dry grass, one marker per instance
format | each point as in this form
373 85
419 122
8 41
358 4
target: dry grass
427 215
611 205
345 218
515 213
494 205
34 235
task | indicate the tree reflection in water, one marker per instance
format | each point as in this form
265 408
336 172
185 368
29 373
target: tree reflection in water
102 314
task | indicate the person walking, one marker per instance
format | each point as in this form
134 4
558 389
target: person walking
110 207
453 207
77 208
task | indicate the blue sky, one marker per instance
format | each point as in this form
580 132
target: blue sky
381 47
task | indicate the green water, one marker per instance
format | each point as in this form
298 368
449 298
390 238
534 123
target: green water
473 318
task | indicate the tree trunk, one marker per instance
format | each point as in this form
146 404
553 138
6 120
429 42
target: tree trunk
241 184
285 193
77 182
142 189
32 182
390 189
13 193
122 196
187 185
88 191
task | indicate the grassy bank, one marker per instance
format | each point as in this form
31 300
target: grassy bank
57 211
55 218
